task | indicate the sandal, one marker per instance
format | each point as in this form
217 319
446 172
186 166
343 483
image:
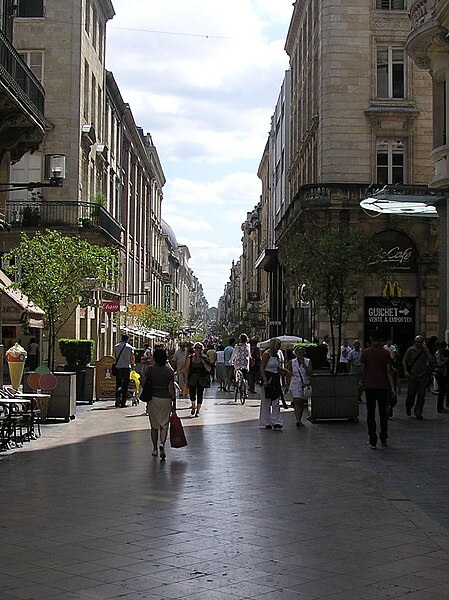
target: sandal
162 452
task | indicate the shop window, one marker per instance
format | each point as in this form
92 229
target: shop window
390 162
30 8
390 72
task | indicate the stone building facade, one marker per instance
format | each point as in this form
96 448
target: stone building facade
428 46
361 118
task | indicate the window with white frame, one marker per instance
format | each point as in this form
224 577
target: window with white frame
30 8
35 61
390 72
390 165
390 5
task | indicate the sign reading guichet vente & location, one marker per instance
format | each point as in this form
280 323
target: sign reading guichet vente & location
389 311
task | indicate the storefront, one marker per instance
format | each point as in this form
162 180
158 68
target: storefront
21 319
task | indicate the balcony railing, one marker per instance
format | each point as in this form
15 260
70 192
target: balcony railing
19 79
68 214
420 12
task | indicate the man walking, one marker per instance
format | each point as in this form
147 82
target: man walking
124 360
229 367
353 357
417 363
377 380
178 361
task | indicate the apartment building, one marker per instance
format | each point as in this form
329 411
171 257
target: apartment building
361 119
428 46
23 125
112 190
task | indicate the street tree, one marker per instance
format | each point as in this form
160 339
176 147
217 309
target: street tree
58 273
333 265
153 317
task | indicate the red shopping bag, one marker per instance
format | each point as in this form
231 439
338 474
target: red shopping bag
177 435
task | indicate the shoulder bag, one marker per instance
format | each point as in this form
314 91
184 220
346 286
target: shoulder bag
114 364
306 388
147 391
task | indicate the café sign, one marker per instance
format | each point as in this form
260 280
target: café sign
400 253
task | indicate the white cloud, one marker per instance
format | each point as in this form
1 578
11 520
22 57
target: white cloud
203 78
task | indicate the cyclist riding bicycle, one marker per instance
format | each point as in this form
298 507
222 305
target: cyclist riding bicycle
240 361
240 356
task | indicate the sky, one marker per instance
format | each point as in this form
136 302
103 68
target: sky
203 78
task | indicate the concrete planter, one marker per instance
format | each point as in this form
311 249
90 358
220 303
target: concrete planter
334 397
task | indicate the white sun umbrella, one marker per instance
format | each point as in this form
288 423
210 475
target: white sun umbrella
287 342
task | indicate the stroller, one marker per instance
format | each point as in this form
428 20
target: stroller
133 387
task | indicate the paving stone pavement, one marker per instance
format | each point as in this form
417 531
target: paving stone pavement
87 513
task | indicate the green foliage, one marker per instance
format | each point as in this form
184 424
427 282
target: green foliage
78 353
58 272
153 317
334 265
316 353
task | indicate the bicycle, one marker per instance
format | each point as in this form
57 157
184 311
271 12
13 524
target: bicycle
241 387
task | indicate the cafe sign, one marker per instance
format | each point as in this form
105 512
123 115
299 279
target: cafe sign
399 252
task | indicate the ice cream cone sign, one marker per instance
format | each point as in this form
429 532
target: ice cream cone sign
15 357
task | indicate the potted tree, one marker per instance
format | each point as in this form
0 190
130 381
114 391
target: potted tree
334 265
78 355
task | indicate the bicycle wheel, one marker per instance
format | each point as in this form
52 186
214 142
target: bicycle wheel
242 391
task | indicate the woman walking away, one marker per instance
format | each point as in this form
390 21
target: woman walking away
160 379
197 370
270 372
301 371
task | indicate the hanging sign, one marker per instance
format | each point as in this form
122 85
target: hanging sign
167 296
110 306
135 310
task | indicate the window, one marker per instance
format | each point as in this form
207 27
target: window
87 17
390 162
30 8
35 61
390 4
390 72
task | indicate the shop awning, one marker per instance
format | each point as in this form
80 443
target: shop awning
417 201
18 307
145 332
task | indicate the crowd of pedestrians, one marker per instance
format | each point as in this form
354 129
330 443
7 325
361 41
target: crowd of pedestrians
190 369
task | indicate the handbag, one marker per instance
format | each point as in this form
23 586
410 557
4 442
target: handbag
272 388
147 391
306 387
114 364
177 435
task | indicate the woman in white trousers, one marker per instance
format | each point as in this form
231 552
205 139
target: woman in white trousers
270 371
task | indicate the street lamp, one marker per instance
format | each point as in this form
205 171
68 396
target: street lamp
54 175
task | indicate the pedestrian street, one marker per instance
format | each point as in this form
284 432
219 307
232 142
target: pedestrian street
241 512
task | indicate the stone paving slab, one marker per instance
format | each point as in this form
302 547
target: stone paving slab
88 513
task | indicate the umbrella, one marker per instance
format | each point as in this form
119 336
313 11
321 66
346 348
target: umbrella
287 342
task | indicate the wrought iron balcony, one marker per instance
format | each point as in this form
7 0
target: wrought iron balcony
35 214
19 79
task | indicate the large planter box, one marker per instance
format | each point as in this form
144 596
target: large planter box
63 397
334 397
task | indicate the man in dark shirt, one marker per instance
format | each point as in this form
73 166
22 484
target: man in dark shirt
417 362
377 380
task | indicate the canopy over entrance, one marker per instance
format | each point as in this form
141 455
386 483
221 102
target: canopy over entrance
17 308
